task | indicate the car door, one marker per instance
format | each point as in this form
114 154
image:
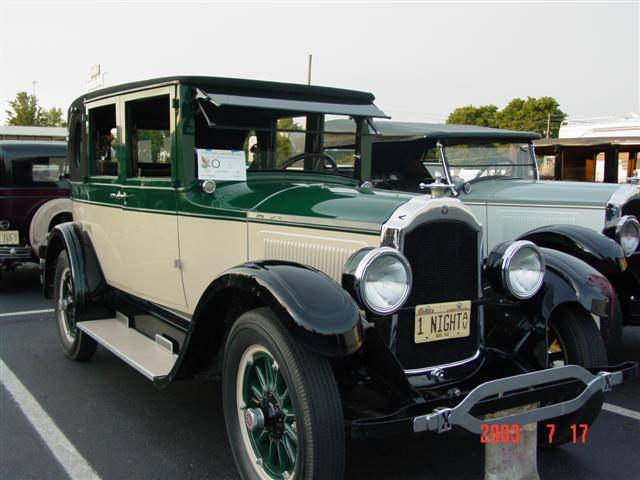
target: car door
97 204
150 223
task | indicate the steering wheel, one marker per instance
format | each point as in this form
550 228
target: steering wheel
321 158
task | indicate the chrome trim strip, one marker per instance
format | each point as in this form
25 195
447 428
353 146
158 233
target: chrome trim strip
572 207
425 371
307 221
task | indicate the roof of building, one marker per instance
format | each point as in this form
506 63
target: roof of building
33 131
587 142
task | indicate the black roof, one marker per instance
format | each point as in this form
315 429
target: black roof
259 88
391 130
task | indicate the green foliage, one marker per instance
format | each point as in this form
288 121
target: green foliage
531 114
283 144
24 110
482 116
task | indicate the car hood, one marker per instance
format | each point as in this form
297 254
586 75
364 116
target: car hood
501 191
303 201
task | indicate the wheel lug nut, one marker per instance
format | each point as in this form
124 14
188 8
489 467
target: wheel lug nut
250 360
275 366
259 462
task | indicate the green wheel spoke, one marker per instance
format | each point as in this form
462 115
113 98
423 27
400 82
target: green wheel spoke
261 378
291 449
282 454
271 378
257 394
290 433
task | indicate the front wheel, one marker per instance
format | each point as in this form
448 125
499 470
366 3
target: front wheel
573 339
281 404
75 344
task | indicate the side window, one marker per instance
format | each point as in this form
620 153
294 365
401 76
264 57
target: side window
35 172
102 134
149 137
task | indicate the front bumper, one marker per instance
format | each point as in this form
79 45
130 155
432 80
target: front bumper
549 387
15 253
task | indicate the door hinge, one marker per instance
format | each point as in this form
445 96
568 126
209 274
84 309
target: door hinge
177 263
176 103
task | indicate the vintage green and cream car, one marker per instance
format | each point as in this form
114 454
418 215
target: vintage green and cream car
212 233
495 173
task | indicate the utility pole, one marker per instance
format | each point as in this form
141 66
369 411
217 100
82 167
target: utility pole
548 125
33 82
309 70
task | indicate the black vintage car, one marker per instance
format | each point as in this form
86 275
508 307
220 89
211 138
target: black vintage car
215 234
34 197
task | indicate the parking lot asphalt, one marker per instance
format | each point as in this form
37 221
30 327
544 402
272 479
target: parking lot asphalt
125 428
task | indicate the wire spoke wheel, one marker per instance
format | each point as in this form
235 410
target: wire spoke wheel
266 414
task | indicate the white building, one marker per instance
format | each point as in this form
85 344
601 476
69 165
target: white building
626 126
19 132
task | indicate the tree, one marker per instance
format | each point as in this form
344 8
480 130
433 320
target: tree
482 116
532 114
24 110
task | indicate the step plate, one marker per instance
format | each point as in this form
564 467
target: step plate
140 352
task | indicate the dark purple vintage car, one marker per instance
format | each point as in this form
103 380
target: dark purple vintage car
33 197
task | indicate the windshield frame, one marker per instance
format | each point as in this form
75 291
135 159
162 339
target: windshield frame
442 148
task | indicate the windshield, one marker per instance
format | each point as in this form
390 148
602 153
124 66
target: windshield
473 162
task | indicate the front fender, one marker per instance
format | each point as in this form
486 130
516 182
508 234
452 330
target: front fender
599 251
89 283
316 310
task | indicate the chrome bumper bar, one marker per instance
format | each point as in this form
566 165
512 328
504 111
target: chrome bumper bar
443 419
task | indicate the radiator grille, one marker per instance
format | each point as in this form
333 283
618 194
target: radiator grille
445 265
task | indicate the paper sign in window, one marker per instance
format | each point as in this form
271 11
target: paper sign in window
221 165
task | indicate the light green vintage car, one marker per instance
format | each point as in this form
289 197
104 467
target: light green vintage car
212 233
495 173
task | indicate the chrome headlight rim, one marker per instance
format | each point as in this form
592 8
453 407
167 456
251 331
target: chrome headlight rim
361 271
620 224
507 258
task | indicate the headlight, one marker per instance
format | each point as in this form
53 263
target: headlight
522 269
628 234
381 279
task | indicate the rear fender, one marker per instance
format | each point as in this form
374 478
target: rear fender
90 286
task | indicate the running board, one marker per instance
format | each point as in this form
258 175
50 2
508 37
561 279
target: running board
150 357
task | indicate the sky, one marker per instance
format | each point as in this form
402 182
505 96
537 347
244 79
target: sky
420 59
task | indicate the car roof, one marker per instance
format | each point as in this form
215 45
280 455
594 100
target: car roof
243 86
392 130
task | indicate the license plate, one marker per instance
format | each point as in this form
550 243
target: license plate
9 237
442 321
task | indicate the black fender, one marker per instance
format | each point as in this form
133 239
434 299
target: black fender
595 248
90 286
315 309
567 281
601 252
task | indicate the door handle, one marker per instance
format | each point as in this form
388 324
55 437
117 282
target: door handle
118 196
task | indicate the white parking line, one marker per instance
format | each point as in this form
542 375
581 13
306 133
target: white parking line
71 461
621 411
28 312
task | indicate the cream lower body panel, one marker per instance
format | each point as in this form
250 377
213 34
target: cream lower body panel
137 251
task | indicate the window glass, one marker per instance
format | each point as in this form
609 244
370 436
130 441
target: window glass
271 140
475 161
103 138
148 127
35 172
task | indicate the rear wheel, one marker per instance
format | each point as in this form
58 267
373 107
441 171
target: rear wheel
281 404
75 343
573 339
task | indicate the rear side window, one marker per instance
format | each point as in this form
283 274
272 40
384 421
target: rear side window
34 172
149 137
103 141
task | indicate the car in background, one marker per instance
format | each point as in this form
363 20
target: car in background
218 237
34 195
495 173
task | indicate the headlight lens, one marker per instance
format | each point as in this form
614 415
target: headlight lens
383 280
522 269
628 234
